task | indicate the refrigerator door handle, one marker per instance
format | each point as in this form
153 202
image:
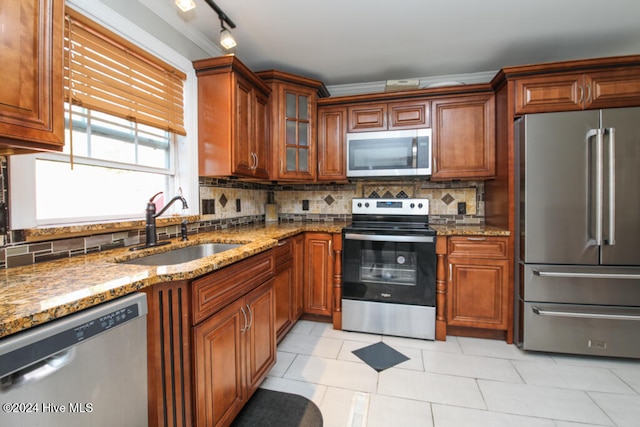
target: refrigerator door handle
576 275
612 186
599 134
559 313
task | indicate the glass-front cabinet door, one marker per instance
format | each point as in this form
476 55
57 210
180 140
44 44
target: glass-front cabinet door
298 130
293 126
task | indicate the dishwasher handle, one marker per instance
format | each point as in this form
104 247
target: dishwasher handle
37 371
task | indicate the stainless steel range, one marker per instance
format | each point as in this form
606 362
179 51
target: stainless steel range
389 269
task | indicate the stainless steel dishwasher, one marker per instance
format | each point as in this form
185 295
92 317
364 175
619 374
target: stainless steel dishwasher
86 369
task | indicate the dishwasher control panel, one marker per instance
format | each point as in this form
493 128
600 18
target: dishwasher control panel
41 342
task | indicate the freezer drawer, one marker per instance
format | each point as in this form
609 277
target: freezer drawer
582 285
582 329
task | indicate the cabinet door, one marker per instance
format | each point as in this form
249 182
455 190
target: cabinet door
260 335
478 284
284 295
464 138
260 147
367 117
318 282
297 144
31 98
477 293
409 115
243 134
550 93
332 155
298 276
609 89
219 366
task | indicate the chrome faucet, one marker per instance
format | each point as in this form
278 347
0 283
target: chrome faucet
150 227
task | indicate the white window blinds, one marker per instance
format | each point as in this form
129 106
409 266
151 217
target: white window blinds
104 72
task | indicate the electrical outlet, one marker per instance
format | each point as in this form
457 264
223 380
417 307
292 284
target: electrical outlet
305 205
238 205
462 208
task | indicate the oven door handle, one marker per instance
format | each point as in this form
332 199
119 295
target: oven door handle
389 238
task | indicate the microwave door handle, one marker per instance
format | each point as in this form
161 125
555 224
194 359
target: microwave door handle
414 152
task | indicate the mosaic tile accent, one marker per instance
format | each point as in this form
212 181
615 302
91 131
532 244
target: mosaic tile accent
447 199
329 200
223 200
387 195
208 207
402 195
373 195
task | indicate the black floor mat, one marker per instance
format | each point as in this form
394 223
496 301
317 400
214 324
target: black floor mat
380 356
275 408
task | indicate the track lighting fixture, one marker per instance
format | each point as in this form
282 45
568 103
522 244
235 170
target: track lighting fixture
185 5
226 39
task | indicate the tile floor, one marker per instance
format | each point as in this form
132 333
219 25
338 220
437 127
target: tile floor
458 383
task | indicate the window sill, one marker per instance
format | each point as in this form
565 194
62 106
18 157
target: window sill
86 229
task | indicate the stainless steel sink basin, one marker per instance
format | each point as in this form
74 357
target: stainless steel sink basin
178 256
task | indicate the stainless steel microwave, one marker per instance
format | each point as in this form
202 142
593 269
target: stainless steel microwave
389 153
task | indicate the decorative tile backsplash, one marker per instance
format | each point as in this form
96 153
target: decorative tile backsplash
227 203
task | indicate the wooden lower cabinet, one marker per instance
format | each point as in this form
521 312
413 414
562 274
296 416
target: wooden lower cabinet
288 284
478 292
211 341
233 351
318 274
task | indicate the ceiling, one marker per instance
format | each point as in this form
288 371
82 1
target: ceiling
350 42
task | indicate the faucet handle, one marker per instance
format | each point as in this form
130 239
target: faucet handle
155 195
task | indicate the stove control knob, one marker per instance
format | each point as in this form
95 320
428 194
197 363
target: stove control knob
359 204
366 205
419 205
412 205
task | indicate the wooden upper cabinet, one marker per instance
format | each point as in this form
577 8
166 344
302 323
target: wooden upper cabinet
332 132
389 115
293 125
578 91
463 137
31 98
233 119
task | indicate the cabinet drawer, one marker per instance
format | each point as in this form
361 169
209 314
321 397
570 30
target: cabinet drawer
478 247
284 251
215 291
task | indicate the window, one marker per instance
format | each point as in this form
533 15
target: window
124 123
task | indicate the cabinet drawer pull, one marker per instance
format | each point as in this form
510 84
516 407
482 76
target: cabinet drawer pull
246 325
282 243
250 316
477 239
450 272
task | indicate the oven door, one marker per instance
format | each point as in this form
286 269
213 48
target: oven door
392 268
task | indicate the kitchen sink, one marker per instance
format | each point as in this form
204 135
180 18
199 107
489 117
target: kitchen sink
186 254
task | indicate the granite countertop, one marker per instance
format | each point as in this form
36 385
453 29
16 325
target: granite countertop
468 230
39 293
36 294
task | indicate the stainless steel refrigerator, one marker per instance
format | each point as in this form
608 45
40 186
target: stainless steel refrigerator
578 244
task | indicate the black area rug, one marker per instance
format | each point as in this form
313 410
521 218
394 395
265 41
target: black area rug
275 408
380 356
